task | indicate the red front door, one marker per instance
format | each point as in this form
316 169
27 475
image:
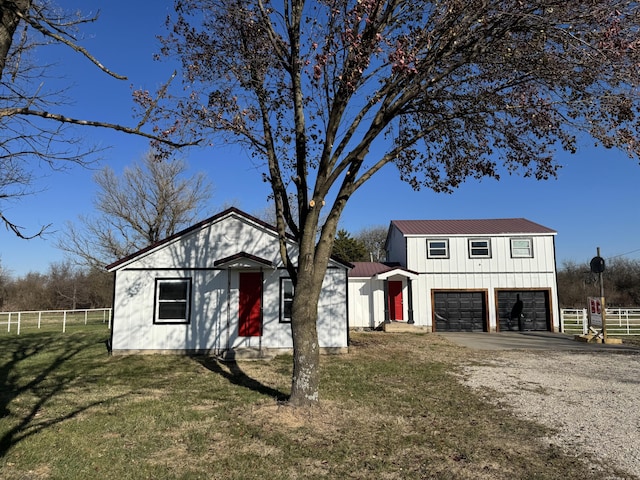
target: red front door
250 309
395 300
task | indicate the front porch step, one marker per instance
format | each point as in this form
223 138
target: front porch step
245 354
395 327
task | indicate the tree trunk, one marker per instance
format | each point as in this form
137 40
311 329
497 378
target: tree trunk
305 382
312 266
9 20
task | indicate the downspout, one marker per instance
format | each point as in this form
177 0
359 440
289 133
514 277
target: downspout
113 314
410 294
346 282
385 289
228 305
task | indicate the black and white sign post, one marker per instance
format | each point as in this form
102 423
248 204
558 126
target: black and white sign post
595 307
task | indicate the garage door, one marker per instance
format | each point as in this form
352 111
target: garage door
460 311
534 306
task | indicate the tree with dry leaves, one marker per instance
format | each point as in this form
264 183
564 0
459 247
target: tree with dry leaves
327 92
35 131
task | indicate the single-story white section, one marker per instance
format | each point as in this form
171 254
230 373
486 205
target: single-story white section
218 286
376 293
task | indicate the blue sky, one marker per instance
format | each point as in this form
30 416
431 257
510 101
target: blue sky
593 202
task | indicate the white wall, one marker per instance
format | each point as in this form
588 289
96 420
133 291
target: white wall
214 300
459 272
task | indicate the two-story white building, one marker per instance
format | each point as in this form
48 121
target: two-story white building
460 275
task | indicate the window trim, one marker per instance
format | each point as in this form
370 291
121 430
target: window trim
282 300
157 301
514 248
487 241
445 248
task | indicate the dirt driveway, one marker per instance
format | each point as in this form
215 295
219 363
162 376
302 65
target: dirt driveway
588 394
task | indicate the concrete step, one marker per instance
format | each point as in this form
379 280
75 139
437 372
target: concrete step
245 354
396 327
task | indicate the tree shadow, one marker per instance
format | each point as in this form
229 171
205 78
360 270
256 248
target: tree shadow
237 376
51 380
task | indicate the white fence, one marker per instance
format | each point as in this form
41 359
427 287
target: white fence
619 321
17 321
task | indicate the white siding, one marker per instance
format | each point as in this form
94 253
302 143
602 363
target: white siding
366 302
213 322
459 272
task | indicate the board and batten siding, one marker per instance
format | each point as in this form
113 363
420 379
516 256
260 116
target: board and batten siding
460 272
366 302
214 306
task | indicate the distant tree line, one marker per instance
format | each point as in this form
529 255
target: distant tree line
621 280
62 287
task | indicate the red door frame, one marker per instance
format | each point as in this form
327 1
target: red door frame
395 300
250 304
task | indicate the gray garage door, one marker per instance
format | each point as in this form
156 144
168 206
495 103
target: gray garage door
534 306
460 311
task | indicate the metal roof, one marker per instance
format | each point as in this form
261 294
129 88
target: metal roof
494 226
369 269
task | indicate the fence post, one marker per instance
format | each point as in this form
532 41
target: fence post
39 318
9 323
86 312
19 318
64 321
110 315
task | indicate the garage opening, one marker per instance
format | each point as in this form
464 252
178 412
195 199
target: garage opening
535 312
460 311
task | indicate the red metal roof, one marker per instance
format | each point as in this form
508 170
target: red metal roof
369 269
495 226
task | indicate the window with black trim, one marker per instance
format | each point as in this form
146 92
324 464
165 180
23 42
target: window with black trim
521 248
286 299
172 300
438 248
479 248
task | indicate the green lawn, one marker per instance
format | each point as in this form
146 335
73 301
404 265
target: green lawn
391 409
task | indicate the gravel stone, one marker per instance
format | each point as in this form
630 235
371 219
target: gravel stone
591 400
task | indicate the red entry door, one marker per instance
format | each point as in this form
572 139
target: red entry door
395 300
250 309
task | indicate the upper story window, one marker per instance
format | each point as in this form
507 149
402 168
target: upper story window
479 248
286 299
172 300
521 248
438 248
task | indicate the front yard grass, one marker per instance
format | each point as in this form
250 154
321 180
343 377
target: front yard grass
391 409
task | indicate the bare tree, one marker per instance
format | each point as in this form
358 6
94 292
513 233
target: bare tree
35 131
326 93
374 239
150 201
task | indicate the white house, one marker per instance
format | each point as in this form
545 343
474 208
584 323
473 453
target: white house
460 275
216 287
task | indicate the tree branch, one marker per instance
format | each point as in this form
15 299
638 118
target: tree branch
8 112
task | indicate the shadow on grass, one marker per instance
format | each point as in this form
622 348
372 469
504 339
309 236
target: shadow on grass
236 376
41 367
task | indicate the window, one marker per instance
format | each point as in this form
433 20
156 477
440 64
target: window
286 299
479 248
521 248
173 300
437 248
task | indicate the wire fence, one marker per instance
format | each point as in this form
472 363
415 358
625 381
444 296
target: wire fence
54 319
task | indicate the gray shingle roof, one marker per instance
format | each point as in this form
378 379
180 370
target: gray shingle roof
495 226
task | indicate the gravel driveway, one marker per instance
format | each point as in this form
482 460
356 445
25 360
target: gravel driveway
591 399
